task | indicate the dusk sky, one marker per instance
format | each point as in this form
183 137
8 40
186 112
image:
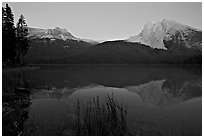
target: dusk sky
105 21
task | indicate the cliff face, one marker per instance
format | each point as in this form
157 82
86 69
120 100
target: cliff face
168 34
56 33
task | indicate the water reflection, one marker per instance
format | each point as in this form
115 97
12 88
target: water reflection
160 100
167 92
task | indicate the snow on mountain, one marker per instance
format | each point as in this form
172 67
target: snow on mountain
53 34
159 34
56 33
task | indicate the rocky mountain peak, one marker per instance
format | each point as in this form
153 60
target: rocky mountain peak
157 34
55 33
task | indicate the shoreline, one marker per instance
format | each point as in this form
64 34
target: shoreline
16 69
122 64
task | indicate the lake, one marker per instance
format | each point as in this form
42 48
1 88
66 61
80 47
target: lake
159 99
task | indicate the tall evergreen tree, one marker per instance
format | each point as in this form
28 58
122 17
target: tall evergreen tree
22 41
4 47
8 35
3 18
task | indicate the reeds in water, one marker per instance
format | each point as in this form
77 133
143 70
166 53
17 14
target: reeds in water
97 118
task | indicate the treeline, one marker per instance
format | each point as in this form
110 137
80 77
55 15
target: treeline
115 52
14 38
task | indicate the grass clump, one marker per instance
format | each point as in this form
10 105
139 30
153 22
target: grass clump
98 118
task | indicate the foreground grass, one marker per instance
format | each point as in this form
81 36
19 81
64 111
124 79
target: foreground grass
99 118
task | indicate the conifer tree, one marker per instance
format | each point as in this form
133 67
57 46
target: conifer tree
4 47
22 41
8 35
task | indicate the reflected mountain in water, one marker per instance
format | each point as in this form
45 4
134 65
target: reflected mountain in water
107 75
164 92
157 85
157 93
158 98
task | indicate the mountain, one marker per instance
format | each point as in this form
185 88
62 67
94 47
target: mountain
165 42
54 34
168 34
47 51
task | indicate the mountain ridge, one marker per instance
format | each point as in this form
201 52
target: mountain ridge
158 33
55 33
177 44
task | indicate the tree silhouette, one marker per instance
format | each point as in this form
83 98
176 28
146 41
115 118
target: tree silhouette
4 47
22 41
8 35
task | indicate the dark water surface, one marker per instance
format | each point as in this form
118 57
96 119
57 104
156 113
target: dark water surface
160 100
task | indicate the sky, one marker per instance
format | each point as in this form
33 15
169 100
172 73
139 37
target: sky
105 20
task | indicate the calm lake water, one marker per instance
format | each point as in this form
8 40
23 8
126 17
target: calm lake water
160 100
